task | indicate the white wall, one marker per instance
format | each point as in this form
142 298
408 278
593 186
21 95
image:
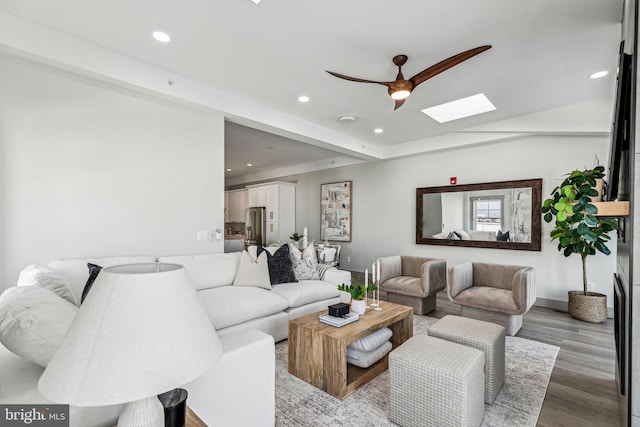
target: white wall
384 213
88 169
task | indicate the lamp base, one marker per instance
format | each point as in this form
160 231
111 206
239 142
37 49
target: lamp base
147 412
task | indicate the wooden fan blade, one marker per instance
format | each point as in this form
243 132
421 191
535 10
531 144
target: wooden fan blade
399 103
355 79
441 66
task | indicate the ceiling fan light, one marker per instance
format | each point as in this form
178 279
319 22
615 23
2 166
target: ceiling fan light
400 94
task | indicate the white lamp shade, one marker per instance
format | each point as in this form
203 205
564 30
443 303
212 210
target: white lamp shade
141 331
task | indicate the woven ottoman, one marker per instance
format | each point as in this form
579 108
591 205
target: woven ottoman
484 336
437 383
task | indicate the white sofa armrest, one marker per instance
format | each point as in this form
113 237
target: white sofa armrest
240 389
337 277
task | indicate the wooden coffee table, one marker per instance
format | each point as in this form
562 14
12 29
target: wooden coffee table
318 352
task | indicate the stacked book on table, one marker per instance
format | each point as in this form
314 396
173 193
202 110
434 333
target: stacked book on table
339 321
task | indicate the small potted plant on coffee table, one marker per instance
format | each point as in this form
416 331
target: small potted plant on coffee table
358 291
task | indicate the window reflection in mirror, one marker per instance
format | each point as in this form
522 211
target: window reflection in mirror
496 215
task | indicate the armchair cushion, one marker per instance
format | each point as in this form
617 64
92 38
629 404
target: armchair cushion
507 289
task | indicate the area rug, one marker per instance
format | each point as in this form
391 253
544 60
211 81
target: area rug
528 369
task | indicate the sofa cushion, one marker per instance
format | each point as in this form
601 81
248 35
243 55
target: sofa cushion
305 263
488 298
230 305
33 321
306 292
280 266
208 270
45 277
74 270
253 272
404 285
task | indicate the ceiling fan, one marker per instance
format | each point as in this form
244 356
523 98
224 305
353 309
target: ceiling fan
400 89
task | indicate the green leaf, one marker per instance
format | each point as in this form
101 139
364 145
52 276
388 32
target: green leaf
548 217
568 191
547 203
592 209
565 241
583 229
591 220
592 193
602 248
577 208
562 215
591 237
585 188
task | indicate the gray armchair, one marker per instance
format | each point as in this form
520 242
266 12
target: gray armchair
493 292
413 281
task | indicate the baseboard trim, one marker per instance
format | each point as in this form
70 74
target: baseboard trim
562 305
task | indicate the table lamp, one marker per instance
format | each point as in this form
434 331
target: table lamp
141 331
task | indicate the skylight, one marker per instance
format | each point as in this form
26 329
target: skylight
465 107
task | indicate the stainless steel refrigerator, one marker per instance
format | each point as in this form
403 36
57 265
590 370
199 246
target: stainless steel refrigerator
255 226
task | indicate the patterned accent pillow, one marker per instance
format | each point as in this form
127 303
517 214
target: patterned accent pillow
305 263
280 265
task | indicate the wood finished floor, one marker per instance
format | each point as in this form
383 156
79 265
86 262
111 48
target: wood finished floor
582 388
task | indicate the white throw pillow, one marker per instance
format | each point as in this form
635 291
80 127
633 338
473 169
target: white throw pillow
305 263
372 341
253 273
33 321
45 277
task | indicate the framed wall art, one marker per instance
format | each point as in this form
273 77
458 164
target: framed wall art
335 211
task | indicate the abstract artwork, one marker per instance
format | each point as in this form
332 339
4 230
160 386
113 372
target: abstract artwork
335 211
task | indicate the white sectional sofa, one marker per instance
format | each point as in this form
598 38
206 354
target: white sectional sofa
248 320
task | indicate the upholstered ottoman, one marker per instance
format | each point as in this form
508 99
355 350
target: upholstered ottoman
484 336
436 383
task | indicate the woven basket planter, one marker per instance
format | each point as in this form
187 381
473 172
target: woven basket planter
590 308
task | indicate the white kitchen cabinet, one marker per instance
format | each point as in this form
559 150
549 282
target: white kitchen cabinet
279 200
272 235
238 200
256 196
271 199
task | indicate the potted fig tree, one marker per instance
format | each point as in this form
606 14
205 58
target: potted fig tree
579 231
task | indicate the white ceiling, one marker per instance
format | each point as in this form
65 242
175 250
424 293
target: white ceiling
264 56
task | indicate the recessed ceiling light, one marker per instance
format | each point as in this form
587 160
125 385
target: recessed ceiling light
161 37
303 98
256 1
598 75
378 130
228 170
249 164
460 108
346 120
